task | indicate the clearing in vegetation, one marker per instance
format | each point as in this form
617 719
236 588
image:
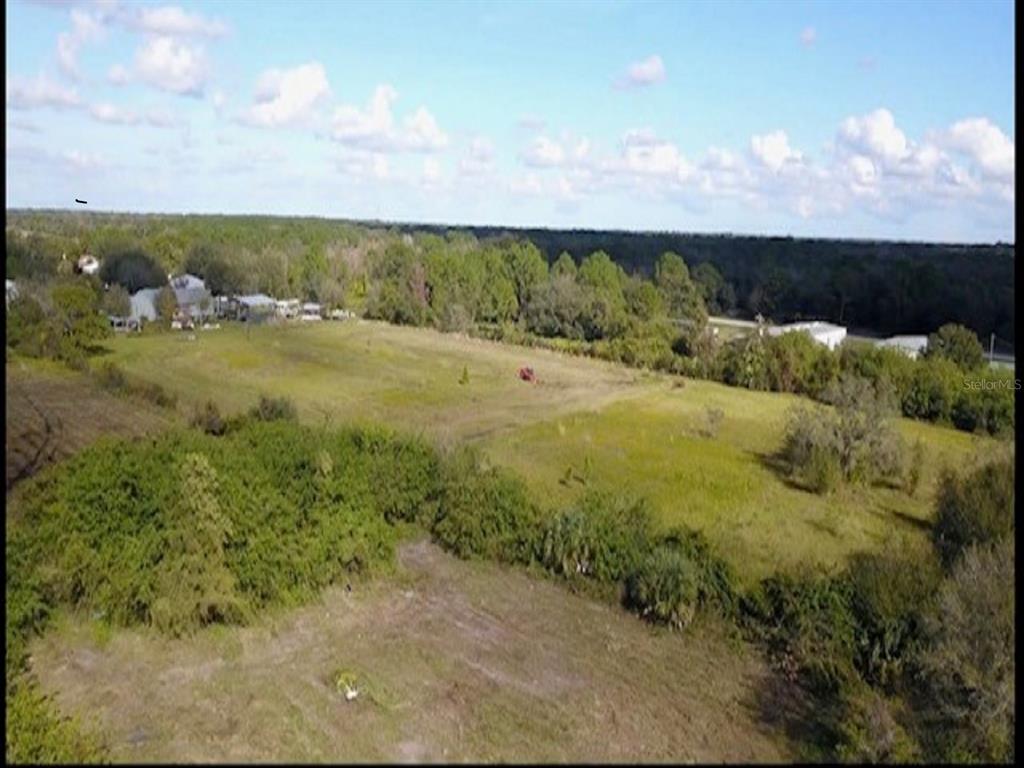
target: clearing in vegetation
585 424
454 661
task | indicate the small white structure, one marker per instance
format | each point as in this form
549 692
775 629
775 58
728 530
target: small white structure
144 304
88 265
340 314
255 307
186 282
911 346
12 291
820 331
288 308
311 311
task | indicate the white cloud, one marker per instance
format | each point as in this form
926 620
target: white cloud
108 113
544 153
808 36
645 154
285 97
876 135
985 144
643 73
172 20
422 132
431 172
479 158
118 75
773 150
40 92
83 161
84 28
373 127
172 66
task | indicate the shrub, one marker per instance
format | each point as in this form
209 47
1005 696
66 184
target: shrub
38 734
274 409
915 465
869 731
486 513
974 508
970 667
207 418
602 537
958 344
664 587
807 624
890 593
933 389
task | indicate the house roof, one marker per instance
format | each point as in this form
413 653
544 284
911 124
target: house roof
187 281
814 327
190 296
256 300
905 342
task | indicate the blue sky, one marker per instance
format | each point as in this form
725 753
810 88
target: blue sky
889 119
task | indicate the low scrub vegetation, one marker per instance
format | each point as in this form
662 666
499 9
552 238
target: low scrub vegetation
907 653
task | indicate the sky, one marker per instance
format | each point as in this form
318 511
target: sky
827 119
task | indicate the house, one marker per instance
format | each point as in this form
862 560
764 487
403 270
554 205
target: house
12 291
144 304
287 308
340 314
194 300
255 307
311 311
820 331
911 346
88 265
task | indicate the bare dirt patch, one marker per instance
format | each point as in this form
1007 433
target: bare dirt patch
455 661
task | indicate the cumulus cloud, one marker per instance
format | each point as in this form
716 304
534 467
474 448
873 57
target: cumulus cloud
40 91
808 36
875 134
985 144
643 73
83 161
373 127
169 65
286 97
773 150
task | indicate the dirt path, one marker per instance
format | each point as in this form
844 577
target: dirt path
456 661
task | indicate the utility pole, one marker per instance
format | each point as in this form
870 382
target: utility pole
992 349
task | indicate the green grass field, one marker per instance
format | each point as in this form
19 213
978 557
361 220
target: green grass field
585 424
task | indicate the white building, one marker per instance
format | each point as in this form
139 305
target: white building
144 304
288 308
824 333
911 346
12 291
311 311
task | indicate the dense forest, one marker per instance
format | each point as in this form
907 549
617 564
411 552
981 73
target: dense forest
873 286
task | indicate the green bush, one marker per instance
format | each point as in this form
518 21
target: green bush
486 513
664 587
806 622
37 734
869 731
602 537
891 592
274 409
974 508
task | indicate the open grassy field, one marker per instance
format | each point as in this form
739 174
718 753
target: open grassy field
585 423
53 412
455 661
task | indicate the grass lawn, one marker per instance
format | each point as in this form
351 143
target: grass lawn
586 421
